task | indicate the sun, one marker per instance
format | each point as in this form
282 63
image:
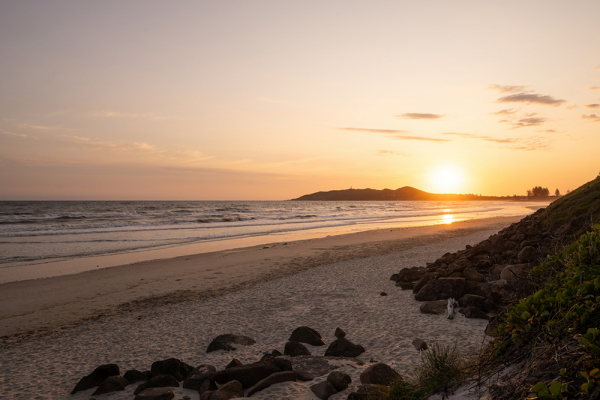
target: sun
447 179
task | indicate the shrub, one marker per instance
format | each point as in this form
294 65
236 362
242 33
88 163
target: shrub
440 365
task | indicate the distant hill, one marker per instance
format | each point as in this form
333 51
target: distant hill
405 193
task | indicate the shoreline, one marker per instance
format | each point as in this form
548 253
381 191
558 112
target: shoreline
33 307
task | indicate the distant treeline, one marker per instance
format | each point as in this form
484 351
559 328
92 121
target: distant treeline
408 193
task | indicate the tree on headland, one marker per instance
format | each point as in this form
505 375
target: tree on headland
538 191
557 192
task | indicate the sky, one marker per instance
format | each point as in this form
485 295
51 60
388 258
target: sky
270 100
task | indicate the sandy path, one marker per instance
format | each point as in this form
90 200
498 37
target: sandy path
34 306
345 293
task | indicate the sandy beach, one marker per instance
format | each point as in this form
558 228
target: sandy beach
56 330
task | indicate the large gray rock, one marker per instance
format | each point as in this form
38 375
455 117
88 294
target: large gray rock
196 378
419 344
472 275
96 377
442 289
133 375
422 282
304 334
171 366
278 377
497 269
475 288
411 274
339 380
434 307
111 384
226 342
323 390
473 312
156 394
472 300
379 374
295 349
342 347
309 367
230 390
157 381
248 375
513 273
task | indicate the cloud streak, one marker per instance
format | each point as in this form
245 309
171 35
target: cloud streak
531 98
508 111
528 144
591 117
426 116
508 88
395 134
37 127
8 133
119 114
593 105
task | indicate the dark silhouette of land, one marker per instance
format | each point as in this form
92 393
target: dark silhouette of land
405 193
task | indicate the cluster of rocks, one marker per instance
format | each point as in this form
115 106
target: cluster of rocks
480 277
237 378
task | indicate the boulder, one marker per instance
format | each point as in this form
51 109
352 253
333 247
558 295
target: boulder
155 394
309 367
473 312
295 349
248 375
339 380
171 366
475 288
434 307
323 390
379 374
339 333
342 347
422 282
230 390
472 300
383 294
198 375
96 377
497 269
207 386
472 275
111 384
501 286
281 363
527 254
278 377
158 381
234 363
513 273
405 285
226 342
307 335
411 274
133 375
419 344
442 289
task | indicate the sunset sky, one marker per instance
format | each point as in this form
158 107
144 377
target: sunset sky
259 100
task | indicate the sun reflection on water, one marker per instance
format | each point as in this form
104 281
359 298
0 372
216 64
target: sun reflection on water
447 219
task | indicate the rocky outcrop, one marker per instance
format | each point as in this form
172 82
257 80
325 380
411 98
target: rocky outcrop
278 377
295 349
111 384
379 374
158 381
248 375
96 377
171 366
198 375
323 390
434 307
226 342
307 335
133 375
441 289
339 380
230 390
342 347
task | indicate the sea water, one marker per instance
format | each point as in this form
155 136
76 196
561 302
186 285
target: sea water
34 232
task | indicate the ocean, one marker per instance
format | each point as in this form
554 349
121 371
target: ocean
36 232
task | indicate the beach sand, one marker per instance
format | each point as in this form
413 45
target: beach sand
57 330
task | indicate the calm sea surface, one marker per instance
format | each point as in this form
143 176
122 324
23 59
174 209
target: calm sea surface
34 232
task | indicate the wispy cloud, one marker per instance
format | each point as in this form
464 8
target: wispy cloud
591 117
529 144
185 157
594 88
508 88
525 122
508 111
531 98
372 130
597 68
420 116
120 114
37 127
21 135
390 153
592 105
395 134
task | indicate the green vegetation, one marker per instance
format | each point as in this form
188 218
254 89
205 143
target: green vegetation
557 326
